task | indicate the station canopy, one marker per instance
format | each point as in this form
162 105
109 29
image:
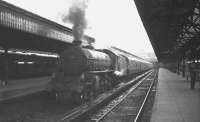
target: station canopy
21 29
173 27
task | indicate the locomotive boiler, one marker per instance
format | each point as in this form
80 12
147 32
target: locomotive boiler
76 60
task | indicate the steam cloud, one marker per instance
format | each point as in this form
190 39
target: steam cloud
76 16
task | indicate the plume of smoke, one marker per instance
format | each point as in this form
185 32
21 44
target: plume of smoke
76 16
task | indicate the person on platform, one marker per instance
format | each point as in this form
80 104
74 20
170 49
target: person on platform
192 75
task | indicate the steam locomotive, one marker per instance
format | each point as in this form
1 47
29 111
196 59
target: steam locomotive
83 73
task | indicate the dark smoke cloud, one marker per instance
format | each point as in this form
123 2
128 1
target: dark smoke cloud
76 16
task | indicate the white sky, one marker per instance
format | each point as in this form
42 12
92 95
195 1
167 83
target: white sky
110 22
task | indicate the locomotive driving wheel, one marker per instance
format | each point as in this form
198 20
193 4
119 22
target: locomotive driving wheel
82 97
59 96
62 96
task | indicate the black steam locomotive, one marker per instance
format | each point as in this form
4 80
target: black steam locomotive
84 73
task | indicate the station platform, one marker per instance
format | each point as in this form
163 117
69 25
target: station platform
16 88
174 100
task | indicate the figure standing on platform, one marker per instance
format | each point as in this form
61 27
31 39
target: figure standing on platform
192 75
187 71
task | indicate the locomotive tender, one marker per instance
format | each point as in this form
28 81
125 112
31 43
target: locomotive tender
84 73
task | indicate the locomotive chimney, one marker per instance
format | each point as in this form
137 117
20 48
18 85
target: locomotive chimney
77 42
76 16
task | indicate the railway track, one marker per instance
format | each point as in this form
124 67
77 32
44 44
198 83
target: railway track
129 106
100 108
42 108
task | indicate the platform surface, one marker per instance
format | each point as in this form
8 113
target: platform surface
16 88
175 101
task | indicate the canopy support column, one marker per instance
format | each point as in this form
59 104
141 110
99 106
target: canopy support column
5 65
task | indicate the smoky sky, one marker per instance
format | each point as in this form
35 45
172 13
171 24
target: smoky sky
76 16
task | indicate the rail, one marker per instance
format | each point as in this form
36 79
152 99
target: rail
141 110
85 112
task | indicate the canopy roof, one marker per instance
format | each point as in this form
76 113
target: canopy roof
173 27
25 30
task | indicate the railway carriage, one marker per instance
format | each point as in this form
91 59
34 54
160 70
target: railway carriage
133 65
